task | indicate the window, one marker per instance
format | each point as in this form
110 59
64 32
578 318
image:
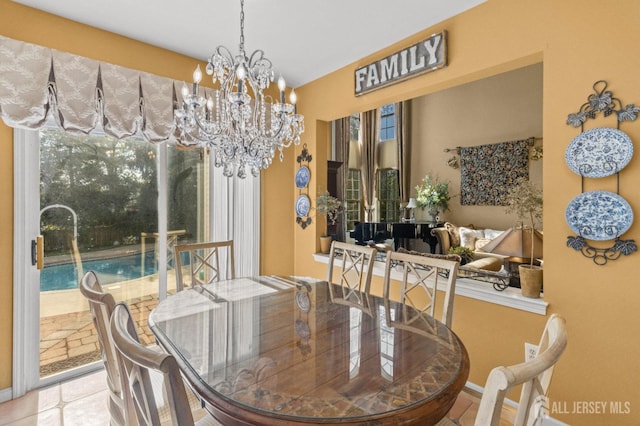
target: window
353 198
99 203
387 122
115 207
388 195
354 127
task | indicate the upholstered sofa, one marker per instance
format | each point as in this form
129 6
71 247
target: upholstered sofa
474 239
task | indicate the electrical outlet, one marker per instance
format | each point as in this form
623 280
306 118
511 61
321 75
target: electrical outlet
530 351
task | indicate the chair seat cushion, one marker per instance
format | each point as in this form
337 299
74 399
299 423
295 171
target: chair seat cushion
486 263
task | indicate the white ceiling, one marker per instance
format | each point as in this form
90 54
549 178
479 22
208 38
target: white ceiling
305 39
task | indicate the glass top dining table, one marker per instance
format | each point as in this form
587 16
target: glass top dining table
270 350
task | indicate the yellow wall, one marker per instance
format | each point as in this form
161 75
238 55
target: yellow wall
578 42
6 258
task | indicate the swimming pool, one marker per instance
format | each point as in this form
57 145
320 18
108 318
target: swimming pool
109 271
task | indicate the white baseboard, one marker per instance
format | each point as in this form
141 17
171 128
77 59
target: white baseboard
6 394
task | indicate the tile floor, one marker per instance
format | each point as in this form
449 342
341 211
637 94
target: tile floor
83 401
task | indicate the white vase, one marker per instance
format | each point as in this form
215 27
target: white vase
433 212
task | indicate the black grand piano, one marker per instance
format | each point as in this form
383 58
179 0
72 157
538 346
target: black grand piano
400 232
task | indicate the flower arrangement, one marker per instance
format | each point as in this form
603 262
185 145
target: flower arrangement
433 194
327 204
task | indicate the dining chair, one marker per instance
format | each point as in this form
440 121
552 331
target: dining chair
534 376
204 262
422 277
138 363
101 306
355 267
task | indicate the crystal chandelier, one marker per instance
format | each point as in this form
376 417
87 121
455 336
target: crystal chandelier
241 125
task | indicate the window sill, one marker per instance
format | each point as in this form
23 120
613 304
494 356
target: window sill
474 289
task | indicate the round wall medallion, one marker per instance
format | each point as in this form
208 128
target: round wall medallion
302 301
303 204
302 329
302 177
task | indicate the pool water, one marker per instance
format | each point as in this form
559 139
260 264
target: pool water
109 271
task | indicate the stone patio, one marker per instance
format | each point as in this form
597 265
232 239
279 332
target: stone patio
70 340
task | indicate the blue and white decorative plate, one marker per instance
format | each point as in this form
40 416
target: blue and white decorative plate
599 152
303 204
599 215
303 302
302 177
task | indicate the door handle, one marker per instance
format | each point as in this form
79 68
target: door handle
37 252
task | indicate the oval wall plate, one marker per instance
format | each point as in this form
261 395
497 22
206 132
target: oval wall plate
599 215
599 152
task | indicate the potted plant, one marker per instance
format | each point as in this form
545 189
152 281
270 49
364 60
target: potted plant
465 253
329 206
433 195
525 200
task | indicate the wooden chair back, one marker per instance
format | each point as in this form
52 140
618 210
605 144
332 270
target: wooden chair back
204 263
355 267
101 305
422 277
137 362
534 376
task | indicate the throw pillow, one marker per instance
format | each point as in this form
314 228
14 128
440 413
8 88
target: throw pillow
486 263
490 234
454 236
469 236
481 242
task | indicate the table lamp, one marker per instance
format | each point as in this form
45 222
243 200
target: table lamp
516 243
412 205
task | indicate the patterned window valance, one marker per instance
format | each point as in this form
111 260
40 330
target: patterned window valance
81 94
488 171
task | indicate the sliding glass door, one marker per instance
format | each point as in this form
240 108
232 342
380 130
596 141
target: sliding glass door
116 207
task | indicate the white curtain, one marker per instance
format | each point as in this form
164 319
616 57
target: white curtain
81 93
24 83
235 214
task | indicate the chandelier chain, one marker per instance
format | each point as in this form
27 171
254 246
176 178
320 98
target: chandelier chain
242 27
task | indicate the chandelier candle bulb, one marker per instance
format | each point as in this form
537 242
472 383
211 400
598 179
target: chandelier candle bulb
197 77
293 98
185 93
241 74
282 85
209 108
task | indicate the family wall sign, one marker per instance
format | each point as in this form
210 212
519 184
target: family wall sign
427 55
